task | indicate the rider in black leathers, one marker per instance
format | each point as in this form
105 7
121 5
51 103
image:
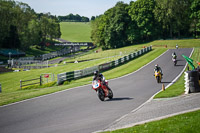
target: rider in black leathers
174 55
98 76
157 68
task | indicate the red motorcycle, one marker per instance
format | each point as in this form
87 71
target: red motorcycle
102 90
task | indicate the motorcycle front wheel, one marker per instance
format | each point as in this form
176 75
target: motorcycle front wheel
101 94
158 79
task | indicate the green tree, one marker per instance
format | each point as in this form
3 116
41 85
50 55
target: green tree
21 27
6 19
195 16
54 29
97 33
34 32
118 25
109 30
12 40
93 18
85 19
24 15
173 16
73 18
141 13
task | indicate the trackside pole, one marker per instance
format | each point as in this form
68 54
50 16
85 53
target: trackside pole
163 87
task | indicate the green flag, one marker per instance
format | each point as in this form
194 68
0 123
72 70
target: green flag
190 61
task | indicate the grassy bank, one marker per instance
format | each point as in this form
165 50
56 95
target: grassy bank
11 81
75 31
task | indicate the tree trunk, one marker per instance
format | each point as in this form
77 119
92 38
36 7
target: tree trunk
170 28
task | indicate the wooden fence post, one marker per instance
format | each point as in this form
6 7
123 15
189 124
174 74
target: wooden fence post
40 80
20 84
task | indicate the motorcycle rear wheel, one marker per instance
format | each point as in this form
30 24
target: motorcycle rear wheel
175 63
110 94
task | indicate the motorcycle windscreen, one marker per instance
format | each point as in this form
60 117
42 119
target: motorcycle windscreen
95 84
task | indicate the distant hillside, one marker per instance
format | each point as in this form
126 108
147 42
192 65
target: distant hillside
76 31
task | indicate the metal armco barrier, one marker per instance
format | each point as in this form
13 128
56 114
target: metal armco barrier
68 76
61 78
105 66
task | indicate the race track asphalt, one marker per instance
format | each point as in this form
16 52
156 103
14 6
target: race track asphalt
79 110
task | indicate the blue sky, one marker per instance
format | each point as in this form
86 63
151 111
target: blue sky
86 8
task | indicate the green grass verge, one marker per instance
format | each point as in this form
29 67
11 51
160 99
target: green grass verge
11 81
75 31
108 55
178 87
184 123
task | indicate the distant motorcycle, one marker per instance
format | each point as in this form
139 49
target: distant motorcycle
102 90
176 46
158 76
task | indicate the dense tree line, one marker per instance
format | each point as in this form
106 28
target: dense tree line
21 27
73 18
146 20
